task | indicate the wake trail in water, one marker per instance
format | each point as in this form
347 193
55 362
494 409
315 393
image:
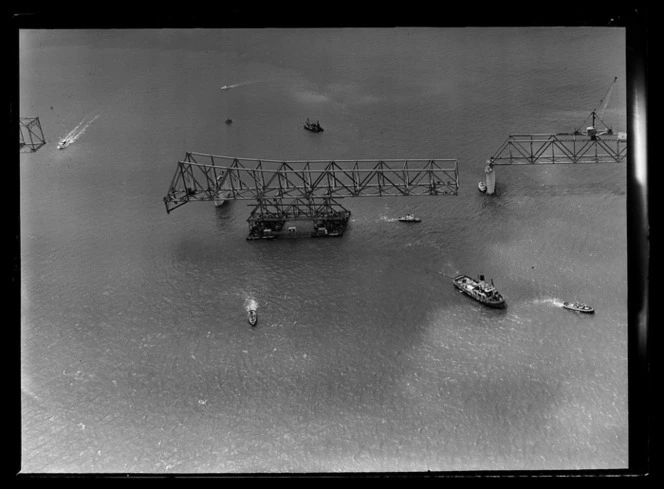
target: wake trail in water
241 84
549 300
80 129
250 304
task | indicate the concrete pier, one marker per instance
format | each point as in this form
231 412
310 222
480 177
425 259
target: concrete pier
490 177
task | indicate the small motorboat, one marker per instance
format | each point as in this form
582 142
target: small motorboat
312 126
578 306
409 218
64 143
252 317
225 87
229 121
480 290
481 186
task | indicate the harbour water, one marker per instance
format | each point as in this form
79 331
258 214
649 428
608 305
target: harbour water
136 355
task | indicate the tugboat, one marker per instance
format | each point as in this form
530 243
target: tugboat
480 291
481 186
312 126
579 307
409 218
252 317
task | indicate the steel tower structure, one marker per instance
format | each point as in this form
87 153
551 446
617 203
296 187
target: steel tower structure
285 191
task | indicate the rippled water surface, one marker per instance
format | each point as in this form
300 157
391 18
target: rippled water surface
136 353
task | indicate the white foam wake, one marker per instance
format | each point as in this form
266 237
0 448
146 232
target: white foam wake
388 219
80 129
549 300
250 304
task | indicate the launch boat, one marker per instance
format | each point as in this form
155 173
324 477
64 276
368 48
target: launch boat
409 218
578 306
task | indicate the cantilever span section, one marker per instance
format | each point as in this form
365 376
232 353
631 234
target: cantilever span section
541 149
204 177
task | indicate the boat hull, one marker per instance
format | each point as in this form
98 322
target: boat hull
571 307
462 282
252 318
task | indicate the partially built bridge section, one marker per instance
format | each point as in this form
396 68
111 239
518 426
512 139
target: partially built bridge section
550 149
297 190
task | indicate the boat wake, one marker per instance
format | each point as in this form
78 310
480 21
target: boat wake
235 85
250 304
388 219
78 131
549 300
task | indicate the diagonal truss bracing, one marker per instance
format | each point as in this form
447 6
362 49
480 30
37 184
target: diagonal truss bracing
205 177
530 149
31 135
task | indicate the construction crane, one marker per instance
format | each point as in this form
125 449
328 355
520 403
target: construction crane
589 146
592 130
285 191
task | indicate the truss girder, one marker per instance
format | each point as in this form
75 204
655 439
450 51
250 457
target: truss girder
201 177
31 134
531 149
297 209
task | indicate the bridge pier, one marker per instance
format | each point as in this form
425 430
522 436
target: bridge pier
490 177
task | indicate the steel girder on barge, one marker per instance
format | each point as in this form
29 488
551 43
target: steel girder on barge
541 149
298 190
31 135
269 216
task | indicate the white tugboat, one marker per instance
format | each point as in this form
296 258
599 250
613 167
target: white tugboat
578 307
409 218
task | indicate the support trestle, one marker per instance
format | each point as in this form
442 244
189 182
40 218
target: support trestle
268 218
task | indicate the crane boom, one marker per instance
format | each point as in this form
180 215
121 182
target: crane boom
607 97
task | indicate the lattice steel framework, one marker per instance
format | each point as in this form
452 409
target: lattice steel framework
305 190
31 135
540 149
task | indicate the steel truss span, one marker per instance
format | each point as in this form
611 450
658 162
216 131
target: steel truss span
200 177
542 149
304 190
31 135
